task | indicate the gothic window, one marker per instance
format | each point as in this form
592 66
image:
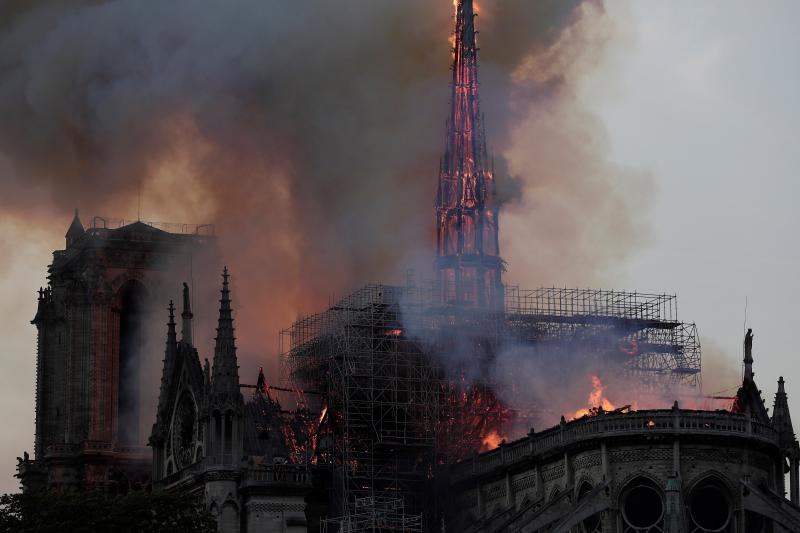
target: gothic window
642 508
710 508
184 431
228 442
131 352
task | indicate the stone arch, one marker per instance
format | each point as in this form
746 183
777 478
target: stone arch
620 487
585 479
711 473
228 519
130 299
119 281
641 503
711 503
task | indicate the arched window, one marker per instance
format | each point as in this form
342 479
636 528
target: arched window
228 446
711 507
642 507
131 354
216 437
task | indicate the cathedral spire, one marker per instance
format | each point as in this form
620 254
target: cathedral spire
748 355
468 263
225 379
170 356
75 230
186 316
781 419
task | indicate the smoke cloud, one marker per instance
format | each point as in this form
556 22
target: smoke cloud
309 133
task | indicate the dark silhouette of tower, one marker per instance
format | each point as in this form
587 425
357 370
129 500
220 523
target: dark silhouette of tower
468 263
92 354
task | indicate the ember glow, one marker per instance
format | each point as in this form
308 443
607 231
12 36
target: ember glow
477 420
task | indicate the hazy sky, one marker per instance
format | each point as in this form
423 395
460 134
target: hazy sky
707 101
703 96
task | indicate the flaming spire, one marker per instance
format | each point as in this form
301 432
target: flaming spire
468 262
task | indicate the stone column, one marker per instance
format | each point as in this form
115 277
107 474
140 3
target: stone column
539 482
604 460
676 458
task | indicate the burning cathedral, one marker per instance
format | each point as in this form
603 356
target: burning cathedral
396 414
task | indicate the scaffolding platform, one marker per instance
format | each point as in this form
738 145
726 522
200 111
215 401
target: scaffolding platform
392 404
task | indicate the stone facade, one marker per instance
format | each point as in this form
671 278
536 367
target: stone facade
637 472
89 410
208 441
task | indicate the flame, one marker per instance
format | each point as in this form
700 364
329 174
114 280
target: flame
491 441
597 401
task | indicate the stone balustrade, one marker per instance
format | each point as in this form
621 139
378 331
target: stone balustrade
664 422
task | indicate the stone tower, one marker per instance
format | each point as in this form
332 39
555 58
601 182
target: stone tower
468 263
91 351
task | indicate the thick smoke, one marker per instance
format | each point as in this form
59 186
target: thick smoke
309 133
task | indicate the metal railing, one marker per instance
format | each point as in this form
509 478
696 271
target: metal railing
169 227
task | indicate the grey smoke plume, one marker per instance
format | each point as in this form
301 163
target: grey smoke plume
309 132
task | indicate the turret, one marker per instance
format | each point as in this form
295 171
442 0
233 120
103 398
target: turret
225 401
748 397
75 230
186 316
225 373
782 422
170 356
748 356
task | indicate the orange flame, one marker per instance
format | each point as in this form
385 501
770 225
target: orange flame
597 401
491 441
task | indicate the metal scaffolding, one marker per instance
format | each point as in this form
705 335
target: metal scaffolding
639 331
392 406
379 402
375 515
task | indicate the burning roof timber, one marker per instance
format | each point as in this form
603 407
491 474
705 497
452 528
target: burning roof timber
404 373
397 402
